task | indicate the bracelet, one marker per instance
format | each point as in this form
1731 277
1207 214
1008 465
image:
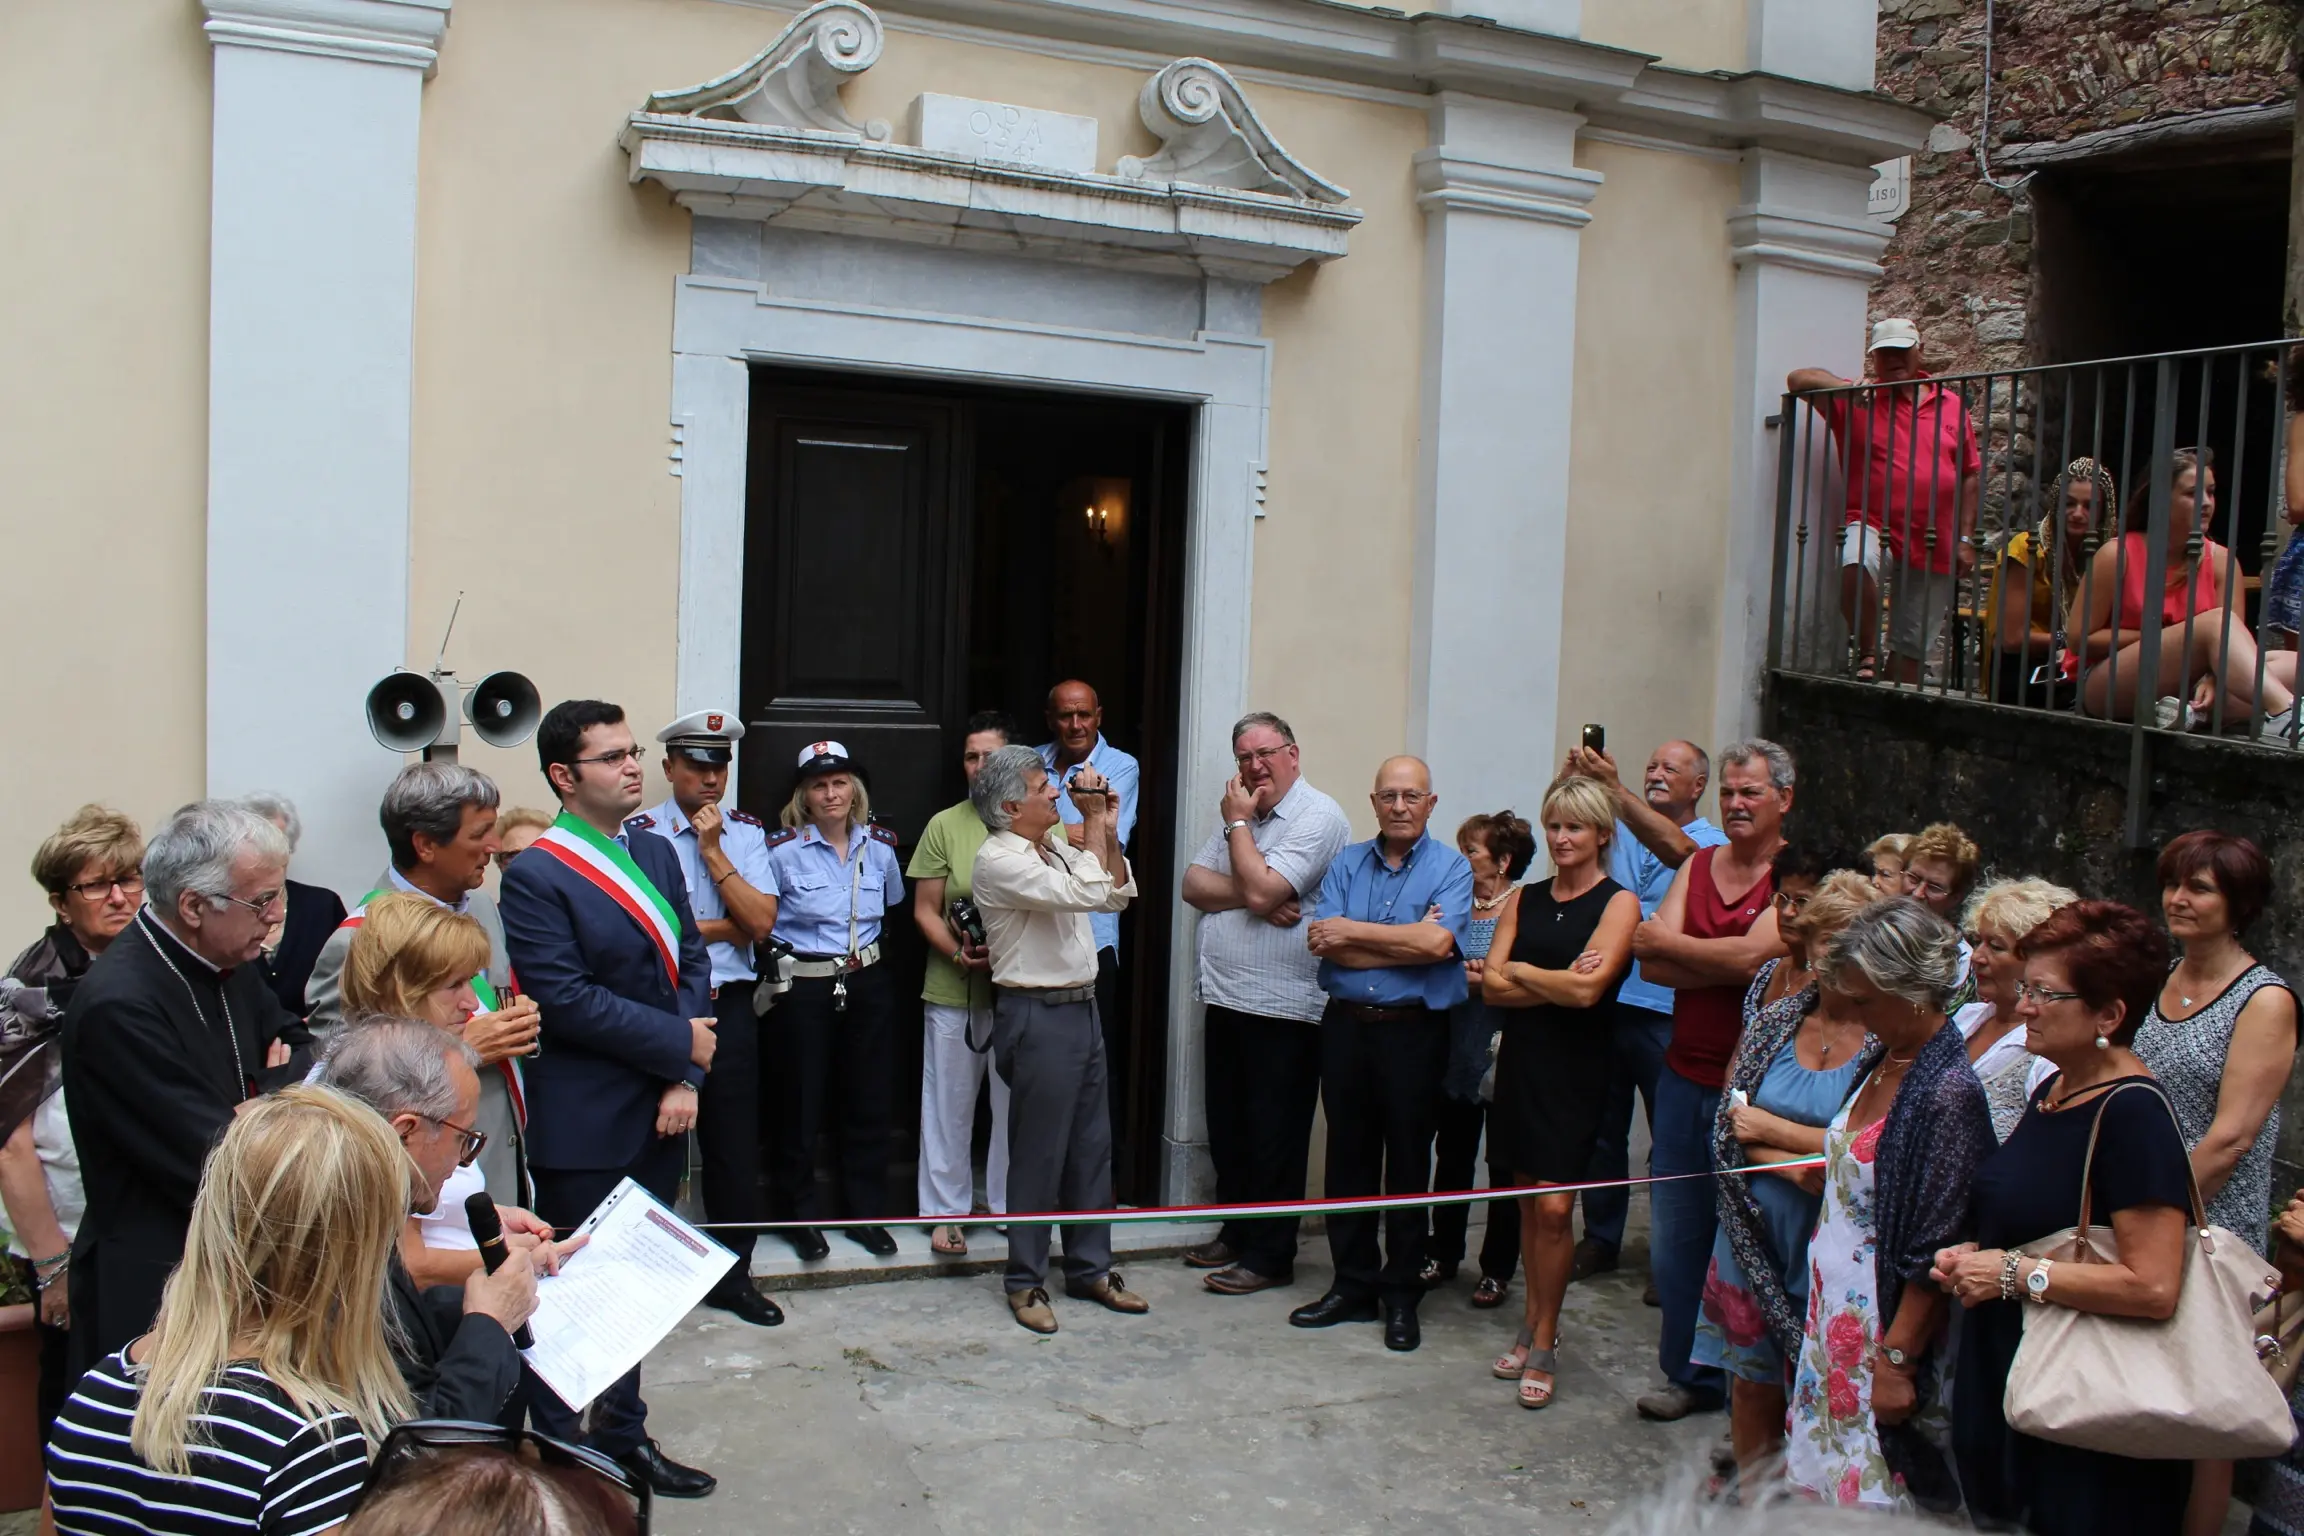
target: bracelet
53 1260
730 875
959 957
2008 1263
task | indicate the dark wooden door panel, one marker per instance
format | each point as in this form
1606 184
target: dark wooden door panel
853 539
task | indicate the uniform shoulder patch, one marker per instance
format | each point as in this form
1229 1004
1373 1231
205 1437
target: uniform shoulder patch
746 818
640 823
884 834
782 835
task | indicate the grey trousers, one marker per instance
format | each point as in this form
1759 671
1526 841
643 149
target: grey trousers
1051 1055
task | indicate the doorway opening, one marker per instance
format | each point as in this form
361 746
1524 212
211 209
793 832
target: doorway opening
916 552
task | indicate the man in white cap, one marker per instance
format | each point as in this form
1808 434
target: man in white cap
724 859
1908 454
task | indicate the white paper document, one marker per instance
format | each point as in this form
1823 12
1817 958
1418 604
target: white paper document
618 1297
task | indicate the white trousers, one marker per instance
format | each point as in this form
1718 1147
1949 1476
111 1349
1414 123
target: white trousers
950 1076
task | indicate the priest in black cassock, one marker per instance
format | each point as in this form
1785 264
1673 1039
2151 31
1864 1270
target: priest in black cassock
170 1032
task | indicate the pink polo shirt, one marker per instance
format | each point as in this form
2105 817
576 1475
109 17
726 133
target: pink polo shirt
1914 446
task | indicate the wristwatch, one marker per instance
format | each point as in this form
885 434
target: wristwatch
1231 827
2036 1283
1894 1356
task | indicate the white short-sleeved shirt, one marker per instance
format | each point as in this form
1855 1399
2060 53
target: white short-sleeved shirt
1245 962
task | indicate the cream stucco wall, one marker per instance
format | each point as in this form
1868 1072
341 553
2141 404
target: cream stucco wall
543 361
103 419
1686 34
1649 470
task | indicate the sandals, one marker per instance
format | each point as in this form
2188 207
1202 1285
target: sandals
1513 1361
1534 1393
949 1241
1867 669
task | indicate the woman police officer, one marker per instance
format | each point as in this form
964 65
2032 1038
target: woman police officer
831 1035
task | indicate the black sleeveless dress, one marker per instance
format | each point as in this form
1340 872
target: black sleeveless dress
1552 1072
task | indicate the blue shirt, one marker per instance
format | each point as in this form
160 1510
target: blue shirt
1121 772
1633 866
745 841
814 886
1361 886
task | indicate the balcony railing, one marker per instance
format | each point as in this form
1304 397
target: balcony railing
2038 539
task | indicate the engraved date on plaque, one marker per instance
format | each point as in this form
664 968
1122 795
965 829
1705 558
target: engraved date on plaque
1004 132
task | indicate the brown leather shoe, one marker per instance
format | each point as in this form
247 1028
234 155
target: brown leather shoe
1216 1255
1108 1291
1240 1280
1032 1310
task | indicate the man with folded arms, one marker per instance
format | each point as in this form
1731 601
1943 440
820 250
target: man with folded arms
1036 890
1385 929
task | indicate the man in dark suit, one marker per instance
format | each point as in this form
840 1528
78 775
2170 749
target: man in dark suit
598 929
171 1031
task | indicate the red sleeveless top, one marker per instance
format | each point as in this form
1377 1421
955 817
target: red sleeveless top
1707 1021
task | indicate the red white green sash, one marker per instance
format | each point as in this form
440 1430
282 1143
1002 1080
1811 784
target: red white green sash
483 989
603 862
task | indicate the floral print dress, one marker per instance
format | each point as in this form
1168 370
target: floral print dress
1833 1451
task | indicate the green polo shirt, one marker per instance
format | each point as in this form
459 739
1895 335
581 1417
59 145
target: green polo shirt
947 852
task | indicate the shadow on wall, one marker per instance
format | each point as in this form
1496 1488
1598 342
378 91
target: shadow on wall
2046 794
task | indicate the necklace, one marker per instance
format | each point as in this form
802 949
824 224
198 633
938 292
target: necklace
1493 902
231 1030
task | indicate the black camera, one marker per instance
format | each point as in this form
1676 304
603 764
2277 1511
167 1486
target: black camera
966 920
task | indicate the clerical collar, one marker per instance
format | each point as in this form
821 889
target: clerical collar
401 882
163 934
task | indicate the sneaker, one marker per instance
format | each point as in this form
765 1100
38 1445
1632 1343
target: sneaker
2281 727
2171 713
1672 1403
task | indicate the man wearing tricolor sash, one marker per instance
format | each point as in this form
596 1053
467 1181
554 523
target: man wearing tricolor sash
439 822
600 933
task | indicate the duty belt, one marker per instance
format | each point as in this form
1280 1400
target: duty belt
835 965
1086 994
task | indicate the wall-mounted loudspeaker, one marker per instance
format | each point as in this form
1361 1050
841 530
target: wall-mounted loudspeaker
408 711
503 708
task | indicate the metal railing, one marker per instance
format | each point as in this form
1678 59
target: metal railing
2005 538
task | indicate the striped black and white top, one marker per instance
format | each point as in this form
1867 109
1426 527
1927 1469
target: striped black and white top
257 1464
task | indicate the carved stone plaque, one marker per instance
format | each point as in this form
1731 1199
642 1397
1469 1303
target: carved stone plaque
1012 135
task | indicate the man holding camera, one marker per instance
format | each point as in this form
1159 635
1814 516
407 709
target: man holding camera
724 863
956 998
1036 891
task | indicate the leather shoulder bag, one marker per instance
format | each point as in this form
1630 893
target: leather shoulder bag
2189 1388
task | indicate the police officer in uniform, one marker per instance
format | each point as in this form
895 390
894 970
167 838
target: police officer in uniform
832 1034
724 859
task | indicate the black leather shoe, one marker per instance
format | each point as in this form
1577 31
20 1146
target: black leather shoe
808 1243
1334 1308
746 1303
666 1478
1401 1330
874 1241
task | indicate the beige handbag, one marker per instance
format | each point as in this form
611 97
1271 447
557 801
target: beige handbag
2187 1389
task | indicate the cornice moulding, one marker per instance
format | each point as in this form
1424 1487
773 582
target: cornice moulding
1459 183
397 32
1763 235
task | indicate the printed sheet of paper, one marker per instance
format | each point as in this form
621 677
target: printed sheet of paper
616 1299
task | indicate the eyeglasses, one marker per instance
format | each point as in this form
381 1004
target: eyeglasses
263 904
472 1140
101 890
1260 755
406 1447
1918 884
615 759
1407 797
2043 995
1791 903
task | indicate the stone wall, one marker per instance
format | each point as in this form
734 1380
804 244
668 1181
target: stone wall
1961 260
2045 794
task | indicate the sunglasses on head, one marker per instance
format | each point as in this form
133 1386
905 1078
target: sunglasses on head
409 1444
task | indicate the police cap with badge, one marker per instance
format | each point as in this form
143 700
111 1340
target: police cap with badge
708 736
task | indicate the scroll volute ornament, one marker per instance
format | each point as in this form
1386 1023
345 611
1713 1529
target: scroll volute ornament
1212 137
795 81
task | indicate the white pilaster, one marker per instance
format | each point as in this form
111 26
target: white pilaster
312 280
1830 42
1503 207
1805 255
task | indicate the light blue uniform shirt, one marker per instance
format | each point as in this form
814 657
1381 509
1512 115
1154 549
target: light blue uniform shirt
1121 772
745 841
1361 886
813 885
1632 866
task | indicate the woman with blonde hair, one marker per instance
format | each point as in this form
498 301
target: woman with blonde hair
415 959
267 1376
1998 918
1560 951
1887 862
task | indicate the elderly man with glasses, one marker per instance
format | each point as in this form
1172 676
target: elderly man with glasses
172 1030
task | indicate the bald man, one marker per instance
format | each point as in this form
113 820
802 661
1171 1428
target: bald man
1386 927
1076 722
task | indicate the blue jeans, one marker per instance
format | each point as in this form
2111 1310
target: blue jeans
1686 1217
1637 1056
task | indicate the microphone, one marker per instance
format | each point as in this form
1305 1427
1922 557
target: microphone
488 1232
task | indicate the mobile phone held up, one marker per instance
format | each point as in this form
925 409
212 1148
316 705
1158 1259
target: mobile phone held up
1595 738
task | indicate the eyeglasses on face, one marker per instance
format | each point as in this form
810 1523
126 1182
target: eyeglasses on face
1919 885
2043 996
262 904
616 759
1411 798
408 1444
470 1141
1259 755
101 890
1791 903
